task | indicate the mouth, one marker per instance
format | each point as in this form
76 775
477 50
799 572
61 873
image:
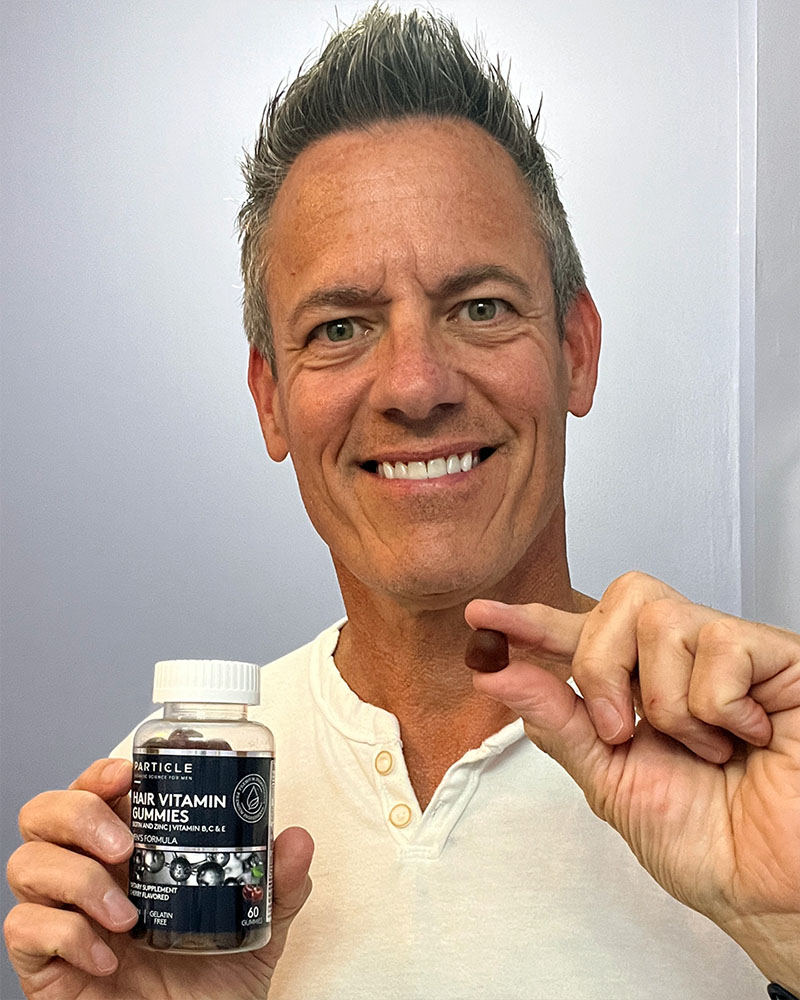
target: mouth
432 468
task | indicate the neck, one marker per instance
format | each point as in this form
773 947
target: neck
408 659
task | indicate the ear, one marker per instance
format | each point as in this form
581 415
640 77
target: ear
581 349
264 390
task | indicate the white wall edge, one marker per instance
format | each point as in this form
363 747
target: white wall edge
746 229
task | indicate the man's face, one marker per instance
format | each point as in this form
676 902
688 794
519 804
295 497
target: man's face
421 387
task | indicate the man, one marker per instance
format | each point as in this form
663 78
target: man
420 329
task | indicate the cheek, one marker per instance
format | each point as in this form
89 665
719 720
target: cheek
526 388
319 413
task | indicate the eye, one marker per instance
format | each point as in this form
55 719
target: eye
337 330
481 309
484 310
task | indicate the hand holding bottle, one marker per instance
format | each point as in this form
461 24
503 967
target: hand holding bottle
67 938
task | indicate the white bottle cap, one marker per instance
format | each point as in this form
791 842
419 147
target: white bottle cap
215 681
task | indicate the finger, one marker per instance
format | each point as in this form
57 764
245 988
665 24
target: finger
109 778
35 935
531 626
77 819
666 665
293 852
555 719
781 692
607 653
44 873
743 671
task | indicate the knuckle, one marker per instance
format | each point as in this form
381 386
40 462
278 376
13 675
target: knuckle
85 813
55 816
634 579
591 666
16 868
11 926
666 716
636 587
30 809
97 773
38 812
717 636
703 704
92 881
88 835
18 925
659 616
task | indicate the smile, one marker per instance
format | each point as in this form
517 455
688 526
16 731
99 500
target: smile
433 468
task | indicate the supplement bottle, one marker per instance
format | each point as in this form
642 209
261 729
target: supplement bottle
201 812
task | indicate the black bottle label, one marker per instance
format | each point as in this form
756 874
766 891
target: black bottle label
202 828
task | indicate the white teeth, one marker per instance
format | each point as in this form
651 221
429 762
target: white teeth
435 468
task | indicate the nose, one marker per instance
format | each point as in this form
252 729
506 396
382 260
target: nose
416 375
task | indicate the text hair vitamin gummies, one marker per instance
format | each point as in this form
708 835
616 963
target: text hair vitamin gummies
201 812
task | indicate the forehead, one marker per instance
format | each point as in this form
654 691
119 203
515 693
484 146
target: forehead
420 194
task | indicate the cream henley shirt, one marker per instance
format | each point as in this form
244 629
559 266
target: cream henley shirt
507 886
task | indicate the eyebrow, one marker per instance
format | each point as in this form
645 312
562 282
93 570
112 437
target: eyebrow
469 277
351 296
340 296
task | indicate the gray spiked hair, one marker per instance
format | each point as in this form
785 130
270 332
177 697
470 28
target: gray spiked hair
384 67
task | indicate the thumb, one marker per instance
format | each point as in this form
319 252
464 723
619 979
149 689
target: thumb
555 719
293 851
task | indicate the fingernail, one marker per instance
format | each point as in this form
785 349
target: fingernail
114 839
607 720
103 957
119 907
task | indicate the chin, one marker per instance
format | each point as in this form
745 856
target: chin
433 590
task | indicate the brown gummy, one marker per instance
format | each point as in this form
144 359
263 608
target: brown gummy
186 739
487 651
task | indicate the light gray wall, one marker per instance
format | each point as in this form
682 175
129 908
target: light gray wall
775 570
141 519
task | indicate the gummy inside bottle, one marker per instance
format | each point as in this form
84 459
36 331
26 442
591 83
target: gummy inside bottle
209 872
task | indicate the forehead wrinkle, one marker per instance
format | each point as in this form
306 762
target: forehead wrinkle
313 195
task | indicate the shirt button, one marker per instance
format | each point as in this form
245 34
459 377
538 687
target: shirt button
384 762
400 815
